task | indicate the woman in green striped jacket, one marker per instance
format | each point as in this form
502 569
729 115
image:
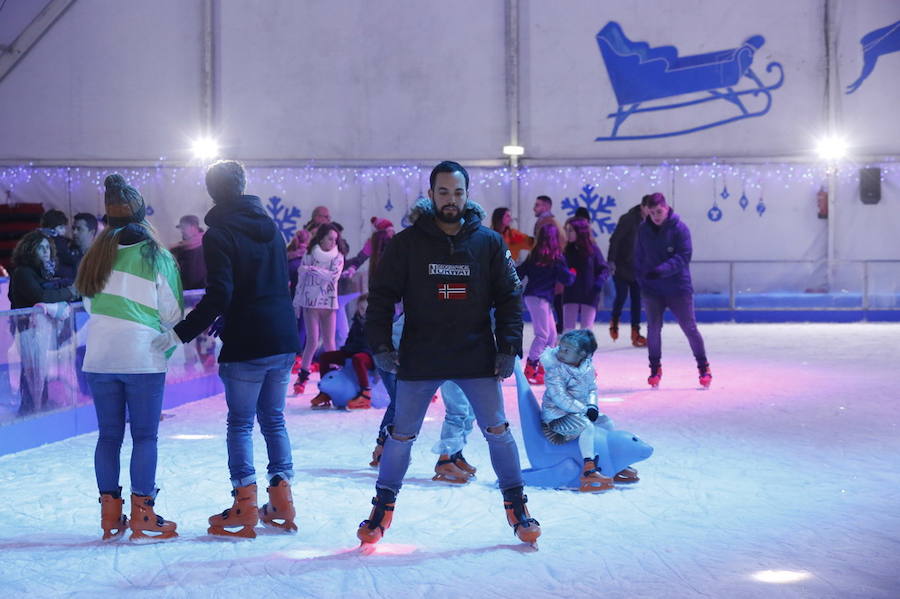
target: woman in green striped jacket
132 290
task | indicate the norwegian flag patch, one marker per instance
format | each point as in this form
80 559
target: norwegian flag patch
452 291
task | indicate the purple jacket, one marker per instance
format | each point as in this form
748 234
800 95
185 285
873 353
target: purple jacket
591 273
542 280
662 257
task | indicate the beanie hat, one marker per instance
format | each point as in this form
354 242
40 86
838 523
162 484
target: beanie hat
124 203
380 224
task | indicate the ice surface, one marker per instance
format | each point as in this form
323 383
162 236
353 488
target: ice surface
791 462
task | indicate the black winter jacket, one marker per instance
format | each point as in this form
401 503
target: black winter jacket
247 282
621 243
448 285
28 287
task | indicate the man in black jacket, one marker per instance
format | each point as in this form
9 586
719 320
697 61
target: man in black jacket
450 272
621 260
247 289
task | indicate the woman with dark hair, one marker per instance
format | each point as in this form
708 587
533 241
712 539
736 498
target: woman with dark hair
33 279
544 268
33 282
515 240
317 295
580 299
132 290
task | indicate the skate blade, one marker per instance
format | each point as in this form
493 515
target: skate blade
112 537
142 538
596 488
450 481
320 407
367 548
246 532
286 526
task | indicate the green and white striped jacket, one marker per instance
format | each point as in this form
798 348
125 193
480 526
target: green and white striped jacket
137 303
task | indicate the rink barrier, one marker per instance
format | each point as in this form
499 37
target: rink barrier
192 375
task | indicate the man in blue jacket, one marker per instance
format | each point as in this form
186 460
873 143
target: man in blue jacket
662 258
449 271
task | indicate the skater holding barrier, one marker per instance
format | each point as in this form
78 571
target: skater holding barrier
662 257
131 290
449 271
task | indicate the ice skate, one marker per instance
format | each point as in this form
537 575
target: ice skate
526 528
463 465
530 371
112 521
298 363
626 476
655 376
243 513
144 520
447 471
376 453
279 511
322 401
363 400
372 530
614 329
637 339
300 383
591 480
535 375
705 376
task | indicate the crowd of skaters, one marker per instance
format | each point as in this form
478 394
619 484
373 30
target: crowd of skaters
242 257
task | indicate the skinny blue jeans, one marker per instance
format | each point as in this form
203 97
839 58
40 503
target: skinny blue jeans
143 394
257 389
413 399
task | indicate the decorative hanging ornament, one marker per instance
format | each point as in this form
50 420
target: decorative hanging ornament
760 206
714 214
389 206
725 195
743 202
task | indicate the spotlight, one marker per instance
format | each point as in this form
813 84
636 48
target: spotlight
831 148
780 576
205 148
513 150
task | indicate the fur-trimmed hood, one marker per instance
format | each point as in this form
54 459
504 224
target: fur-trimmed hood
425 207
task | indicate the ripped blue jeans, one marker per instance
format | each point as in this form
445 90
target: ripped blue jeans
413 399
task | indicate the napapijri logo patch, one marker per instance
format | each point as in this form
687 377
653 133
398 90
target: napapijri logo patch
449 270
453 291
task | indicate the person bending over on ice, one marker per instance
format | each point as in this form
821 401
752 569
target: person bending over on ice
449 271
569 406
357 349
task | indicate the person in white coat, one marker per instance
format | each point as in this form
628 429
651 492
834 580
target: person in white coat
569 406
316 296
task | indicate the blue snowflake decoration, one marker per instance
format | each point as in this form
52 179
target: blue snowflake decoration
725 195
760 206
284 218
744 202
597 206
715 213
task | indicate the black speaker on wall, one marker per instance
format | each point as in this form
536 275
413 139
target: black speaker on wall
870 185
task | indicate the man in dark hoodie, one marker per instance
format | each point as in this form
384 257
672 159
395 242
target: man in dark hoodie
449 271
247 290
662 258
621 260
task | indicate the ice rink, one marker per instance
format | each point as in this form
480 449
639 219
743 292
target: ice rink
782 480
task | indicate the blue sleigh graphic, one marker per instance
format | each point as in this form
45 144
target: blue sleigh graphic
640 74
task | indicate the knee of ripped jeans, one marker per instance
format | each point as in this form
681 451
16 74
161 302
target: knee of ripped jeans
402 437
497 430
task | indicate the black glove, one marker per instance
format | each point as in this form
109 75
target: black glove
592 413
215 329
503 365
653 274
387 361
